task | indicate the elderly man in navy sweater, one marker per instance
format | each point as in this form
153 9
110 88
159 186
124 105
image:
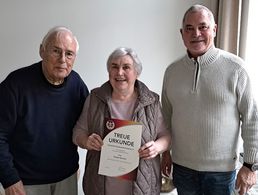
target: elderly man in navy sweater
39 106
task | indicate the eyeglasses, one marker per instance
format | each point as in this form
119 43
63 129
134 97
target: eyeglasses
201 28
58 53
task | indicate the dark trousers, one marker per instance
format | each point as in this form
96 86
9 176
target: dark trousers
191 182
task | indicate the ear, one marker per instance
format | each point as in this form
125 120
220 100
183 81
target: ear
181 32
41 51
214 30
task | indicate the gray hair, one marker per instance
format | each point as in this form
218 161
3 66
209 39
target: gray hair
123 51
198 8
57 30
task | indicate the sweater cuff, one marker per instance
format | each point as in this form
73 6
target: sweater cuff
9 180
250 156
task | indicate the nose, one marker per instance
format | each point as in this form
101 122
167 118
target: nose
196 32
120 71
62 57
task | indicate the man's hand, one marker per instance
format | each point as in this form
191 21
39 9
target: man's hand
166 163
245 180
15 189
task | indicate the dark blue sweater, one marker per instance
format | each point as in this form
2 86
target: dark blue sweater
36 122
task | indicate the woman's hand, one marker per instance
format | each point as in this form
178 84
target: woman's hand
149 150
94 142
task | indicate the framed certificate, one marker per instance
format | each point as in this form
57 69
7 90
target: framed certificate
119 154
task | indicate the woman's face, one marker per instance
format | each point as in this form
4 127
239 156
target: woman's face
122 75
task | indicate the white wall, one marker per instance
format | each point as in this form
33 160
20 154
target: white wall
151 27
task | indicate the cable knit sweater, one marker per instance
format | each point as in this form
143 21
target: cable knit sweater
208 104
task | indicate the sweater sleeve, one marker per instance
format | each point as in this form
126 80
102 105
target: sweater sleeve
8 173
166 105
249 117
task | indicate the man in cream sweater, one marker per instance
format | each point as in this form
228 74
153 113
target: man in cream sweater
208 104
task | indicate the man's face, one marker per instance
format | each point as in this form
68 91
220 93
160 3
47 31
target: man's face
198 33
58 56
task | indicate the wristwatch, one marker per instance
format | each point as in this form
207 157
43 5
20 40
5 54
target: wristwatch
252 167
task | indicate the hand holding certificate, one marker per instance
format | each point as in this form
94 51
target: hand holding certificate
119 154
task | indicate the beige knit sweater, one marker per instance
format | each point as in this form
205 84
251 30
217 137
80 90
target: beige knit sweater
206 102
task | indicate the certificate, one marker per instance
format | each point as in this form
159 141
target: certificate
119 154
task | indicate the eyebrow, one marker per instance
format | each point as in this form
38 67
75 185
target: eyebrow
126 64
56 47
200 24
203 23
